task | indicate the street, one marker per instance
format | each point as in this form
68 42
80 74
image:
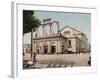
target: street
60 60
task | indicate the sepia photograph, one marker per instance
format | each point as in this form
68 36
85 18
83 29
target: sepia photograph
56 39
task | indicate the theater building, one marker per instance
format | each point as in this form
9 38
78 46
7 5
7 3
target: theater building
68 40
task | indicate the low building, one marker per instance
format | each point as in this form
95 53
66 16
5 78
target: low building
68 40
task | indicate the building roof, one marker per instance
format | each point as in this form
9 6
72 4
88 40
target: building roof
73 29
59 35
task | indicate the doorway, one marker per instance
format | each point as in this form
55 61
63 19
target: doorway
45 49
53 49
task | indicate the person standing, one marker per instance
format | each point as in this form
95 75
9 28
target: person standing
89 62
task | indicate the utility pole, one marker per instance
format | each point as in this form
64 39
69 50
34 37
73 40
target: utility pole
32 43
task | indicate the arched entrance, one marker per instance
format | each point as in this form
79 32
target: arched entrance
45 48
53 47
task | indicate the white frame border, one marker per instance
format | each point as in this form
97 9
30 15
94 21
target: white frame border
17 70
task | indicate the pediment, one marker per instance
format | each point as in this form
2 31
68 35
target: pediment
69 32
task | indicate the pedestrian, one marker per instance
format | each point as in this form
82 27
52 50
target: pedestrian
89 62
34 57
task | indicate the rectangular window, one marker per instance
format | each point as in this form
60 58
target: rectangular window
69 44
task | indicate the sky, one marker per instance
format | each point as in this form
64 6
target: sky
79 21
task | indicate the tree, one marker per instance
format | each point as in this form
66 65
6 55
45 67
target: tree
29 21
30 24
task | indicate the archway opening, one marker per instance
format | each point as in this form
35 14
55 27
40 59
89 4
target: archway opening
53 49
45 49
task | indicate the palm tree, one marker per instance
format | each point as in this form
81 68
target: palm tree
30 24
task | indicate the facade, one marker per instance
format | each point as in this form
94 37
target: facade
68 40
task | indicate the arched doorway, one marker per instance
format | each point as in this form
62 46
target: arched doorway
45 48
53 47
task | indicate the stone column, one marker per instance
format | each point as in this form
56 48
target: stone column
59 46
49 47
33 46
42 47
